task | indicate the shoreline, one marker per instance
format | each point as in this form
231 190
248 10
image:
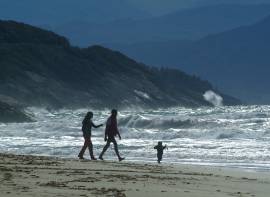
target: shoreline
28 175
153 162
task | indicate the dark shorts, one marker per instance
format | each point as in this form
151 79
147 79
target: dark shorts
111 139
86 136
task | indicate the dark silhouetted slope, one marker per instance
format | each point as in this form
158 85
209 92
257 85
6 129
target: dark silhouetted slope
46 71
28 34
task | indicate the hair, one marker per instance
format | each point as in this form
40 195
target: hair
114 111
88 115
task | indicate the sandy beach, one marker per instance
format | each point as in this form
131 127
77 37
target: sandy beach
46 176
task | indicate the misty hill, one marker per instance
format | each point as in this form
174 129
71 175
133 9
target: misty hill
47 71
237 61
186 24
57 12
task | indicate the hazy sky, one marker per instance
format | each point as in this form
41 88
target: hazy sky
50 12
164 6
61 11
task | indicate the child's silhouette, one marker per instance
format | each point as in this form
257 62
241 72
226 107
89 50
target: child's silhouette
160 149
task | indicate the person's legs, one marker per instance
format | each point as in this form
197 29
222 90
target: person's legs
85 145
116 149
90 147
104 149
159 156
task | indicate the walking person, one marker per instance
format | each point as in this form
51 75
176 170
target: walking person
110 132
87 125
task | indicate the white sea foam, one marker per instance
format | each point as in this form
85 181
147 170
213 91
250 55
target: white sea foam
225 136
213 98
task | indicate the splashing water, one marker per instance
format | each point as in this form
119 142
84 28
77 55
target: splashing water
213 98
236 136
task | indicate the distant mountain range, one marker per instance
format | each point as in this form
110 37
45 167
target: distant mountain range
189 24
237 60
40 68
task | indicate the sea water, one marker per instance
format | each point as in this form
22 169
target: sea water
237 136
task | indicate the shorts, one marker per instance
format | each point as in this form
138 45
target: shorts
111 139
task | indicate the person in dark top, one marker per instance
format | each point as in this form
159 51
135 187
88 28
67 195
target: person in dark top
87 125
160 149
110 132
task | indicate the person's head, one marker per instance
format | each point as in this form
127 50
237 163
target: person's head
114 112
89 115
160 143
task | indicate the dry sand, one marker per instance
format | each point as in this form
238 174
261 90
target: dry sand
27 176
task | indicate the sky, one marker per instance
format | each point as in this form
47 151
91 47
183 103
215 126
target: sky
158 7
38 12
58 12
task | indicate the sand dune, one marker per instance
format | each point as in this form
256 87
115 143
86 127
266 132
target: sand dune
26 176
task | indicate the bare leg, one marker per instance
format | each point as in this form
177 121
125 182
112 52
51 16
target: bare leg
91 151
116 149
104 150
117 152
85 145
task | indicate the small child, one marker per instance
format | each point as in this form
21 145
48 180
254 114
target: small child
160 149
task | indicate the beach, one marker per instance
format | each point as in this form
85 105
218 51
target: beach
26 175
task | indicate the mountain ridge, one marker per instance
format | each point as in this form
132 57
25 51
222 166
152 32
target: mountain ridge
236 60
189 24
59 75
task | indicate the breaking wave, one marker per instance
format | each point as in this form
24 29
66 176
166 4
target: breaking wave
138 121
231 136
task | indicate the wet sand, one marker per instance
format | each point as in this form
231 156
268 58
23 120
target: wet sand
27 176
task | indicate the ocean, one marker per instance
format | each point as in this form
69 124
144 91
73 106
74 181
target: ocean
236 136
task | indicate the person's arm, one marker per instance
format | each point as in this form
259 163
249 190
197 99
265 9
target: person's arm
119 134
96 126
164 147
155 147
106 133
106 130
